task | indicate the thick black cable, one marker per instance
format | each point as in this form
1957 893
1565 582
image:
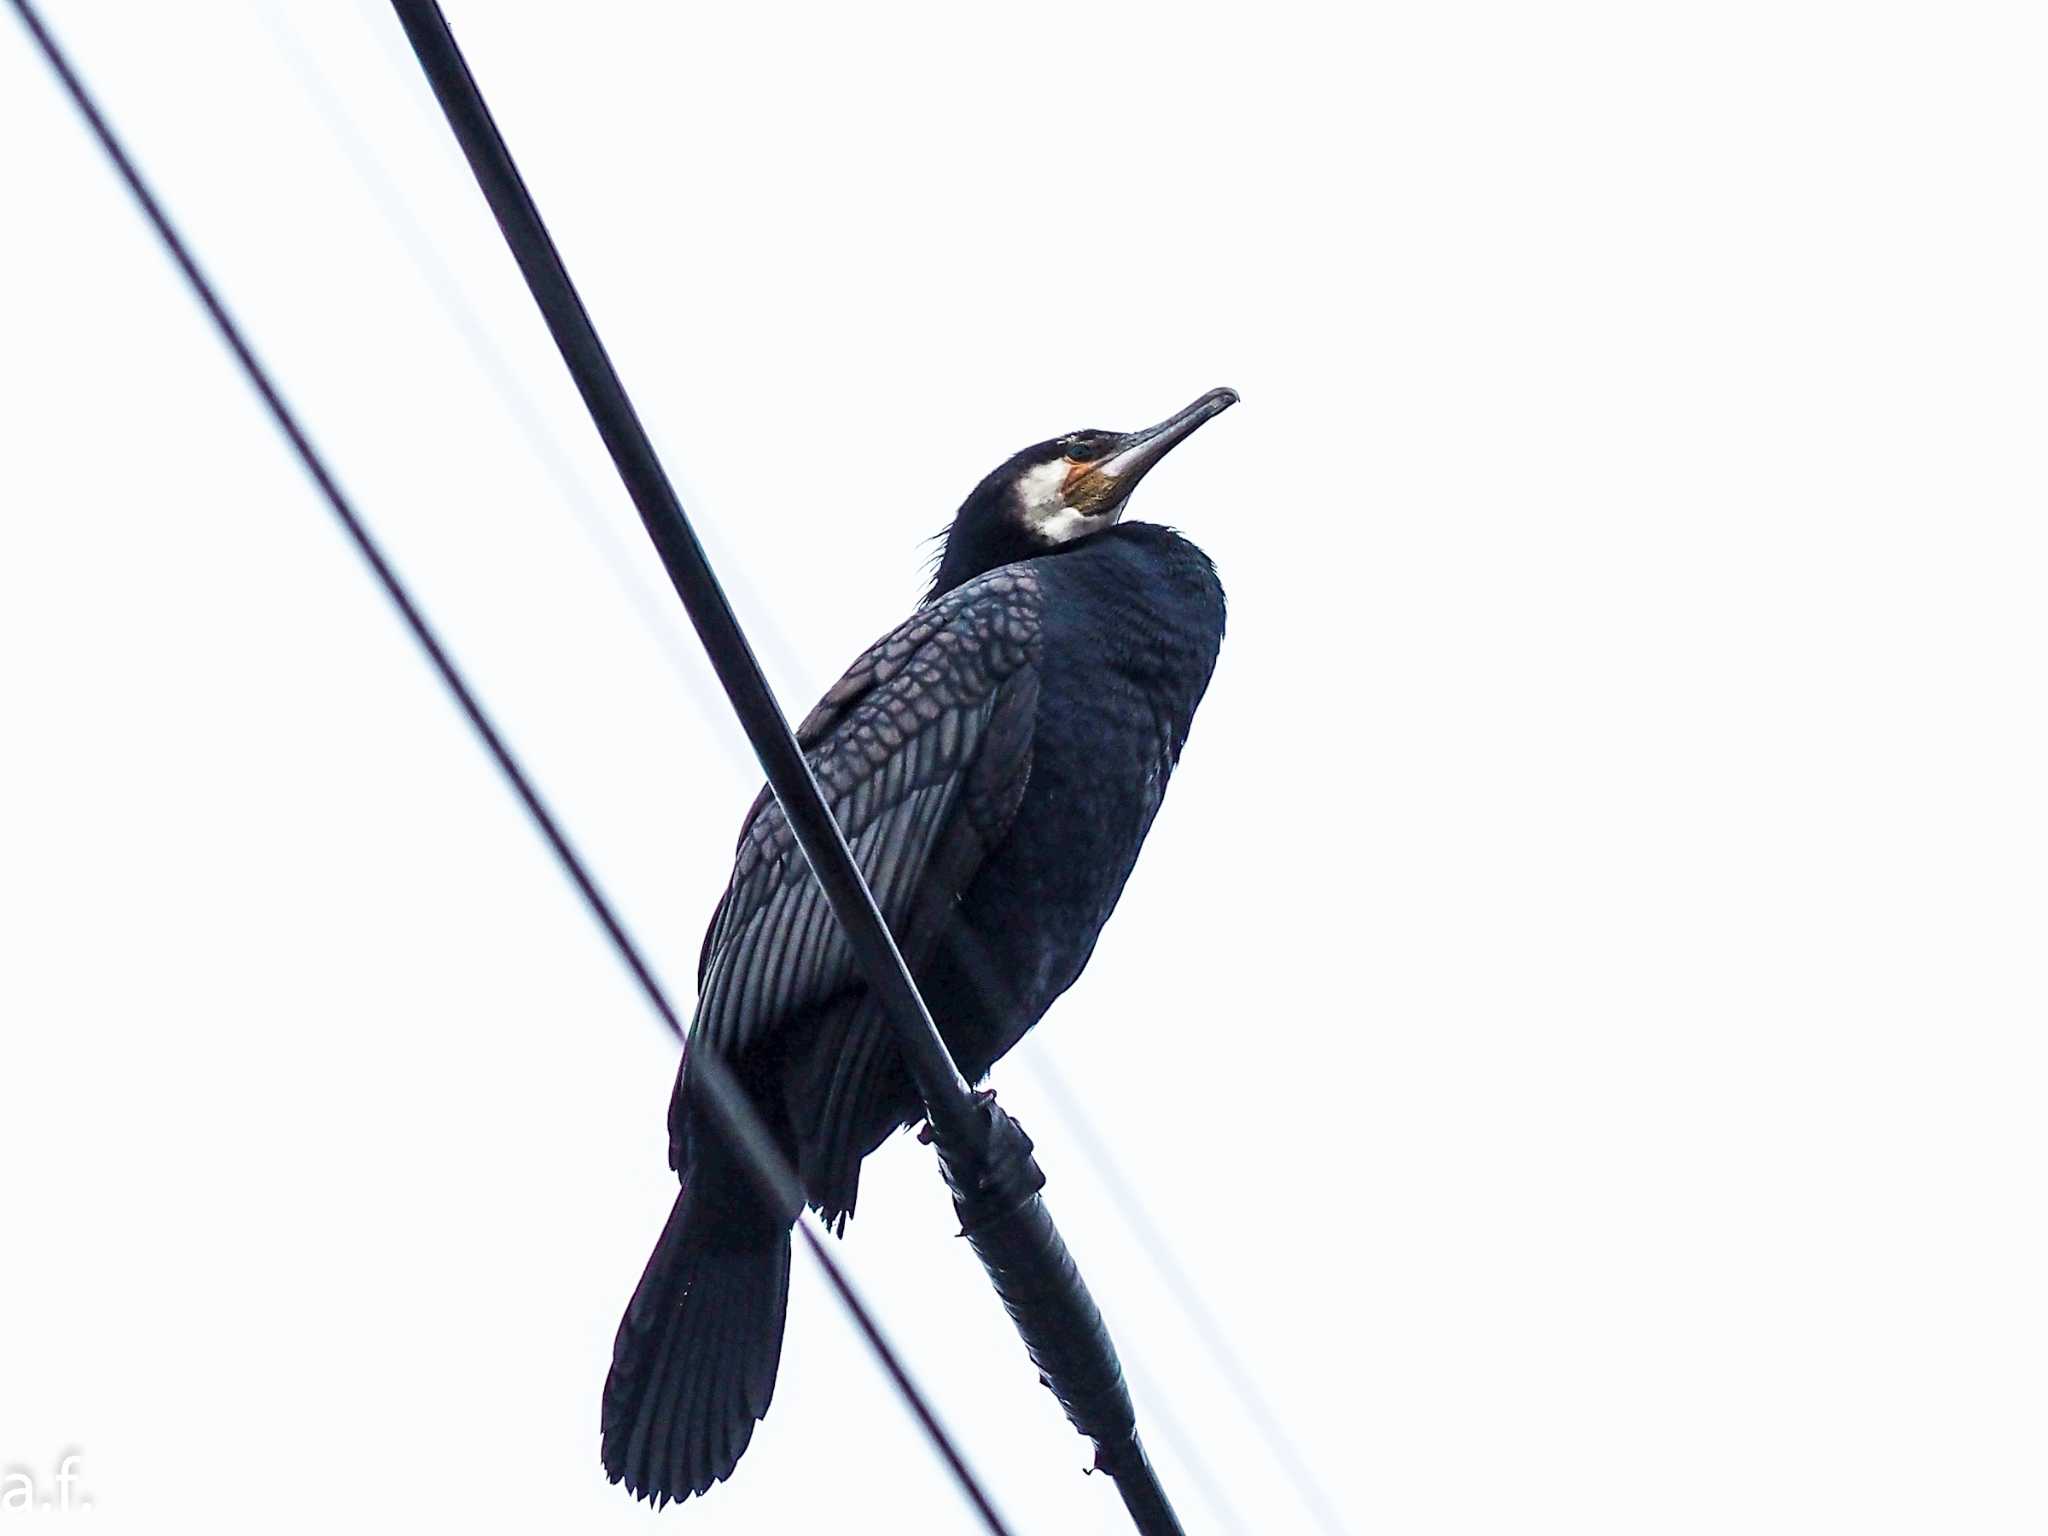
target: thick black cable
732 1103
985 1156
945 1091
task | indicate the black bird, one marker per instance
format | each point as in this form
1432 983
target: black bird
996 762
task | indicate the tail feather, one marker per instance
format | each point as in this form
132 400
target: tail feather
693 1368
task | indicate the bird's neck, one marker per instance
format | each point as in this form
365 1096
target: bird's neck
960 566
968 555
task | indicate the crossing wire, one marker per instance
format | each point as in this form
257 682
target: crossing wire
769 1166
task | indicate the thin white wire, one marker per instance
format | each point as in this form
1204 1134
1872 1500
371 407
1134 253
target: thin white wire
653 608
1315 1500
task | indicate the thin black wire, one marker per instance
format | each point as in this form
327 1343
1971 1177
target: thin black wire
768 1165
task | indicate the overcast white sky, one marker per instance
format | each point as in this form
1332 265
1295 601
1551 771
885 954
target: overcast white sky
1580 1015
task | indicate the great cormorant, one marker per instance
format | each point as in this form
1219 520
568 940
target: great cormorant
996 762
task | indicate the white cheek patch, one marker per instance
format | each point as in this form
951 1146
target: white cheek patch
1041 488
1041 498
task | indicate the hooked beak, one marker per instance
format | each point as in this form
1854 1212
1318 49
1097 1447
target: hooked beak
1102 484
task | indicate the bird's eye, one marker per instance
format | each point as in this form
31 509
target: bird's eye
1079 450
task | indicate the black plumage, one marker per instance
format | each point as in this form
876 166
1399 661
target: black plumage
995 762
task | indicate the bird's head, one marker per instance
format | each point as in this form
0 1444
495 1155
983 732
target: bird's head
1059 492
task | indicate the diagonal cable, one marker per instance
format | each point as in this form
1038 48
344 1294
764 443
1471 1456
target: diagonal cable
732 1104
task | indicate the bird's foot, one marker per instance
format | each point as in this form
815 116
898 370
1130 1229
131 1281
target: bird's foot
981 1096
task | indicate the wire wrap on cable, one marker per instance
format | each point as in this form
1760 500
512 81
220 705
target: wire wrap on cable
996 1182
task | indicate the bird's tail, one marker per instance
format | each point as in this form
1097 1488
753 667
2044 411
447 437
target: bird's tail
694 1365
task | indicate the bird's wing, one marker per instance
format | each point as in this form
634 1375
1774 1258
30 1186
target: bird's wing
922 751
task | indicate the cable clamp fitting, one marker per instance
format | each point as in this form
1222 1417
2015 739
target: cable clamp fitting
995 1176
